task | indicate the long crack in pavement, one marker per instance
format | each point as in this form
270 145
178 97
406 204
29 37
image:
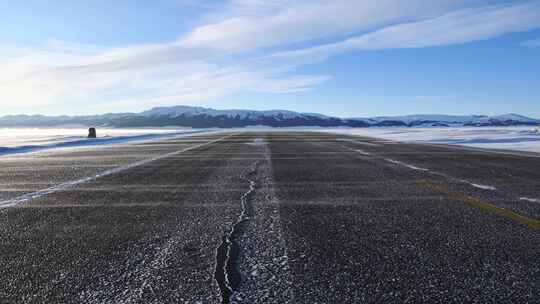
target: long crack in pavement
227 275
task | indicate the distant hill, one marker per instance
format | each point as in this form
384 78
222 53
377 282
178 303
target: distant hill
199 117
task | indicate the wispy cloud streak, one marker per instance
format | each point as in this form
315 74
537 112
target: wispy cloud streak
457 27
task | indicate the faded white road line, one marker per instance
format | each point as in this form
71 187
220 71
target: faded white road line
397 162
362 152
528 199
413 167
66 185
480 186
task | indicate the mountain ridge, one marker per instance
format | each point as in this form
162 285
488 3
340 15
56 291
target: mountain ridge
201 117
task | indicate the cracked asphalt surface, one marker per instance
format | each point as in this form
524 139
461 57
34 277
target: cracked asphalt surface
332 219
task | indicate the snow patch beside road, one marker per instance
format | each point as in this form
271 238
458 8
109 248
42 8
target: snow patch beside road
57 142
508 138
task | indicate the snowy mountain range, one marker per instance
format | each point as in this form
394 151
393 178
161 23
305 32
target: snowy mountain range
199 117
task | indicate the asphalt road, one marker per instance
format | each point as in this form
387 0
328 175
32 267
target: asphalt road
270 217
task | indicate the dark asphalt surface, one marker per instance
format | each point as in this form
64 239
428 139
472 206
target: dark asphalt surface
331 219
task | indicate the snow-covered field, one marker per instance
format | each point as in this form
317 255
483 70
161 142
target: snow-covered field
18 140
508 138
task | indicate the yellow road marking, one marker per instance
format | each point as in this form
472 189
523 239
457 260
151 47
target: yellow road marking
531 223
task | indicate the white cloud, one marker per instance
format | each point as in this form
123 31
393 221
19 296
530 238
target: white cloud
149 74
262 24
248 47
456 27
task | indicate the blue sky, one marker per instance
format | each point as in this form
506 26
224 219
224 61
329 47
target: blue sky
345 58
